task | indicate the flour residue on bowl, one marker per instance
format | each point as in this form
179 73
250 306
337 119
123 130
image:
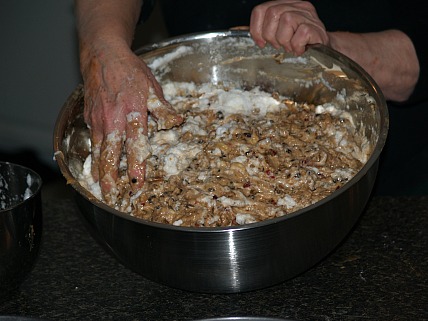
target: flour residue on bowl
7 200
162 64
4 198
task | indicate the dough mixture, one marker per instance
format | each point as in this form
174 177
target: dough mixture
241 156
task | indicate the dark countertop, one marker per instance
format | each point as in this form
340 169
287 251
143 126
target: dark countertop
379 272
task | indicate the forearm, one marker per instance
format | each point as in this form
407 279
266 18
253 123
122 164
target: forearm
388 56
105 25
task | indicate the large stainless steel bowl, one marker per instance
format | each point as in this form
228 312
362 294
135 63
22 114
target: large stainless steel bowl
248 257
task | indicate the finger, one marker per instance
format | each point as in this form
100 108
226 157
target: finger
304 27
264 20
162 111
109 165
256 24
307 34
137 149
96 132
95 159
270 24
290 22
96 139
280 24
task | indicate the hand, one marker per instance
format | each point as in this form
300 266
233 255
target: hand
118 86
291 24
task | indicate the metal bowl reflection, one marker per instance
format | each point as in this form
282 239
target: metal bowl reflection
20 224
253 256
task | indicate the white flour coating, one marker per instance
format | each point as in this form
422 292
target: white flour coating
228 102
113 138
139 142
295 60
132 116
88 180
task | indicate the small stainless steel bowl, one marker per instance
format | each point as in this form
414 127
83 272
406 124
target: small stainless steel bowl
252 256
20 224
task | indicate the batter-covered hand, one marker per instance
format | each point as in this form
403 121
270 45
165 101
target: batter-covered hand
291 24
118 85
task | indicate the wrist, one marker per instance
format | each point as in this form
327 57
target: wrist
100 51
348 43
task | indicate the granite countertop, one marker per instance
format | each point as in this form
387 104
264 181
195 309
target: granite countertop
379 272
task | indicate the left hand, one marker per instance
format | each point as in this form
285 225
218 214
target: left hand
291 24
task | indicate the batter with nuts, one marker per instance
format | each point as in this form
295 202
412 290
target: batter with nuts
240 156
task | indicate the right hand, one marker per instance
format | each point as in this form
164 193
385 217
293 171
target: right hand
291 24
117 86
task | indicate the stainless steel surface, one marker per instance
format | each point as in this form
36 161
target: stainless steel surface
20 224
248 257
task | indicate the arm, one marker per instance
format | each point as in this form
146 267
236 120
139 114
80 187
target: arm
108 21
117 85
388 56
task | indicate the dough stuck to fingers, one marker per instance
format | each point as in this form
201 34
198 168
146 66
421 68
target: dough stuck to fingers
164 114
109 163
138 149
95 160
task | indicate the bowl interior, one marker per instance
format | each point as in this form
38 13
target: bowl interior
319 76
